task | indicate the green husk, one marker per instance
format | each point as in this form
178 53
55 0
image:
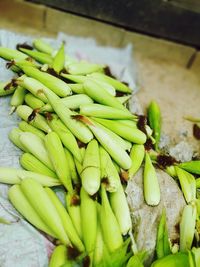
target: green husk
104 112
151 185
42 46
39 56
14 136
72 167
154 117
11 54
31 163
66 136
131 134
175 260
33 102
57 155
17 98
90 175
162 242
59 256
191 166
56 85
137 156
76 88
107 140
59 59
188 184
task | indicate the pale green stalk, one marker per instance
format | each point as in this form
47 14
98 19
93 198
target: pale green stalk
137 156
39 56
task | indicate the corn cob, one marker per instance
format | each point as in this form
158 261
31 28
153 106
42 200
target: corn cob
31 116
33 86
39 56
131 134
21 203
90 175
75 78
25 127
188 184
109 88
109 171
154 117
77 128
175 260
151 185
10 54
66 220
59 59
76 88
119 86
88 209
120 209
110 227
35 145
31 163
110 144
42 46
187 227
15 176
58 159
72 167
14 136
105 112
99 247
33 101
45 208
162 242
73 208
137 155
17 98
100 95
67 138
83 68
130 123
58 257
56 85
6 88
191 166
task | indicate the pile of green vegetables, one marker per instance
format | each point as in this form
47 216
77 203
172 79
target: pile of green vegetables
77 133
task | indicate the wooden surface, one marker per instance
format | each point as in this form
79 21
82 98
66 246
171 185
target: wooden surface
174 20
162 65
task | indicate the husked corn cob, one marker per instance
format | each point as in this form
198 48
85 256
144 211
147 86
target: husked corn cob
21 203
67 138
110 227
33 101
72 167
14 136
90 175
31 163
66 220
17 98
137 155
26 127
88 222
83 68
44 206
15 176
35 145
57 155
29 115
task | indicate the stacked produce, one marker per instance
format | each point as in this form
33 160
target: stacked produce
77 132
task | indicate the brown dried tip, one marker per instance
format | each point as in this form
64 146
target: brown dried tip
13 83
10 64
72 253
81 118
75 200
164 161
105 181
196 131
124 175
86 261
24 45
148 145
48 116
123 178
120 93
108 72
80 144
142 121
33 114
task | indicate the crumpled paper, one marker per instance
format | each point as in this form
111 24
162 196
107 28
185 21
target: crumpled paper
21 245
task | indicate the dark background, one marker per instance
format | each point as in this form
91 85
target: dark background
176 20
